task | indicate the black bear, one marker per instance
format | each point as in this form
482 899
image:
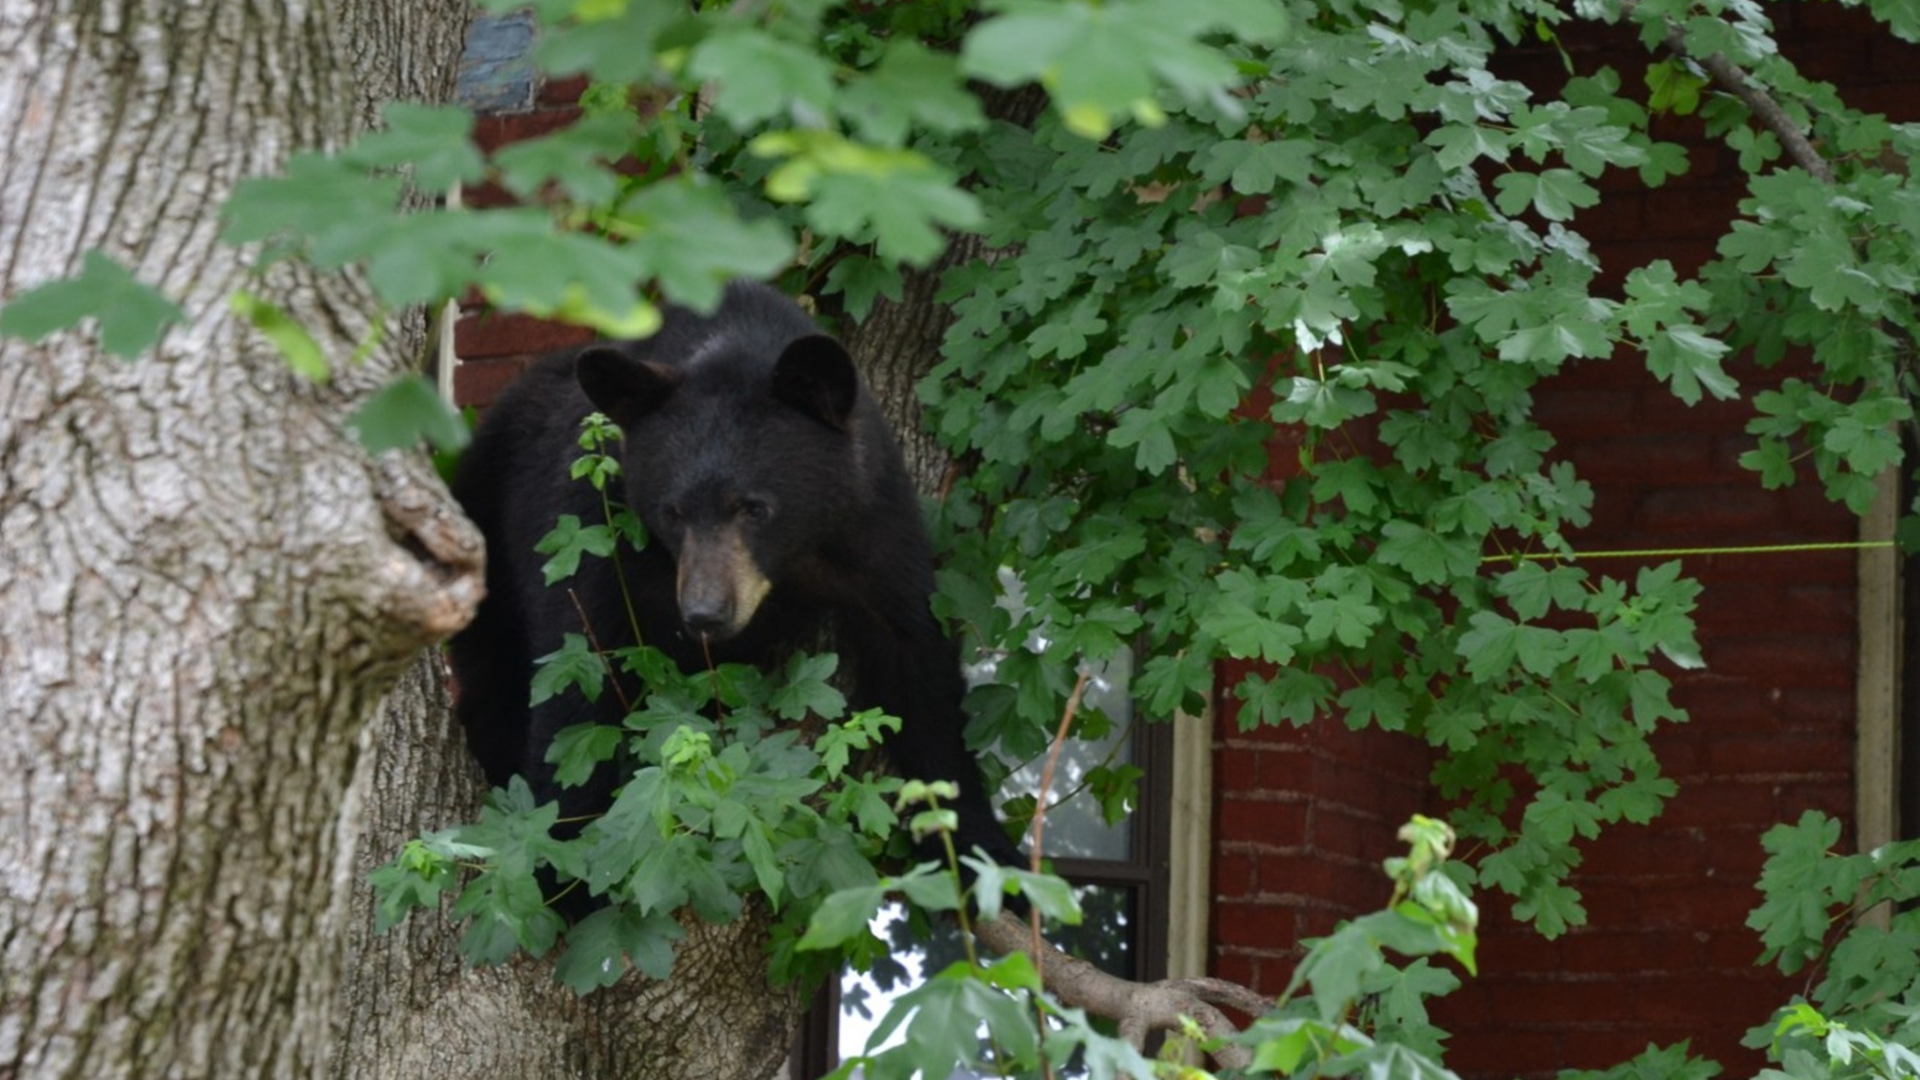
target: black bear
775 501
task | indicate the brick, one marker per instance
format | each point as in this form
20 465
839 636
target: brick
1737 606
1516 949
494 132
1715 804
1785 661
1709 515
1300 875
565 91
1628 853
1234 967
1233 876
1512 1052
1636 950
513 335
1702 905
479 383
1236 769
1783 754
1830 609
1819 708
1263 925
1675 457
1262 823
1556 999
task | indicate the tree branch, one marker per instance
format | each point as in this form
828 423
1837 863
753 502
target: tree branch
1736 82
1139 1008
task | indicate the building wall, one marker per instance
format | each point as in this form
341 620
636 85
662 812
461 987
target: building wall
1303 817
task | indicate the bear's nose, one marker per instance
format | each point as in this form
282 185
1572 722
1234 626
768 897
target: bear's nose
709 623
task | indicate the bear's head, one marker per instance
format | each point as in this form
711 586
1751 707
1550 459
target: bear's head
746 464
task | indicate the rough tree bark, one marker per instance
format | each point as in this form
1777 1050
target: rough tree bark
205 585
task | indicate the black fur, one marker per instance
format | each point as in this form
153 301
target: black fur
745 424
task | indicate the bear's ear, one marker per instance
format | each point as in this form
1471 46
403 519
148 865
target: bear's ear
816 376
620 386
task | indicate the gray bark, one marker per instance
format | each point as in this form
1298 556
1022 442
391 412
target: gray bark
205 586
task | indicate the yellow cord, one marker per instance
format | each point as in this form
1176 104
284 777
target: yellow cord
1676 553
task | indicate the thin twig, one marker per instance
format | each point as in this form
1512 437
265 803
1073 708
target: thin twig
1046 785
1040 827
613 677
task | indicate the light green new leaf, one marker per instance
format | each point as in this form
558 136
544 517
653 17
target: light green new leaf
302 353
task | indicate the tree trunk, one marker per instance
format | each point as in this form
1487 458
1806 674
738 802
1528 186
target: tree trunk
207 585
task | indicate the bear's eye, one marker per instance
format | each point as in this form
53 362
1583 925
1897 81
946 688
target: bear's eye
673 513
755 510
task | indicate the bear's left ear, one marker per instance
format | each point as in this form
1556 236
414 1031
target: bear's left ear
619 385
816 376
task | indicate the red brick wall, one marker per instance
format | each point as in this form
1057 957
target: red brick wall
1302 818
494 349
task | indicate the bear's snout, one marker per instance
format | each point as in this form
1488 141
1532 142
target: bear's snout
719 585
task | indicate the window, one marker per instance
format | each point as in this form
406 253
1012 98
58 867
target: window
1121 874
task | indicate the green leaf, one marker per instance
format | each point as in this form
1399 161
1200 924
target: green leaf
1555 194
573 665
435 141
578 749
1246 632
842 917
600 946
1103 63
405 412
804 690
578 157
567 542
1690 360
318 197
131 316
1674 88
758 76
912 86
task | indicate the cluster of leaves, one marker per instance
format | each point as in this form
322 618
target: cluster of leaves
1817 264
1348 1009
1318 265
1361 1013
1850 920
931 1028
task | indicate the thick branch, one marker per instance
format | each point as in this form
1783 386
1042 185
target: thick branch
1139 1008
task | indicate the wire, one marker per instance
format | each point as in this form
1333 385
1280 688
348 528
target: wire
1676 553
